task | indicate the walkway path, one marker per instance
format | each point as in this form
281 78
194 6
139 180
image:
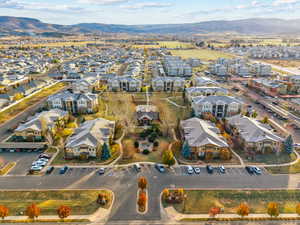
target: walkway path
176 216
174 103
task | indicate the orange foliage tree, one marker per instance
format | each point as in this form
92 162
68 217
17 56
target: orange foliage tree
243 210
63 211
142 183
142 200
33 211
3 211
213 211
298 209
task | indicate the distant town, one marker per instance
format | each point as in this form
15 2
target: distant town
104 129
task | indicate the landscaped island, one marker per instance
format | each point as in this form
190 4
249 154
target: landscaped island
81 202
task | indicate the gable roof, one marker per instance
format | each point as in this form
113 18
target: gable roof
252 130
91 133
199 132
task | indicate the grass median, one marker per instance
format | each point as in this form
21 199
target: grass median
200 201
81 202
25 103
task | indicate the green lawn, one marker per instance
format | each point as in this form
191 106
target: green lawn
268 158
200 201
81 202
285 169
203 54
155 156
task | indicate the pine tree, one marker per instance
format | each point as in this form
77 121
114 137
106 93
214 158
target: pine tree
289 144
186 151
105 152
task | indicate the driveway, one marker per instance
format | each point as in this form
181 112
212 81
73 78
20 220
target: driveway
23 160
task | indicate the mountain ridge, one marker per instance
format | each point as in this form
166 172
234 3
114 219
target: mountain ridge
15 25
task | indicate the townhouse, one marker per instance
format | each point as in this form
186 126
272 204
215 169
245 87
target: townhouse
175 66
124 83
167 84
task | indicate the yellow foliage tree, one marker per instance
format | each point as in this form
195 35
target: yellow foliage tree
18 96
273 209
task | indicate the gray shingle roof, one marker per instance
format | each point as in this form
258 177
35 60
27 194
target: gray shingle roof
199 132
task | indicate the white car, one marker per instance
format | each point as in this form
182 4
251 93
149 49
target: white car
189 169
43 159
257 170
36 168
197 170
39 163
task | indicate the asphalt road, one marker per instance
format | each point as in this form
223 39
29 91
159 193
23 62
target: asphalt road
123 182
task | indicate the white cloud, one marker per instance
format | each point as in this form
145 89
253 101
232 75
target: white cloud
103 2
281 2
147 5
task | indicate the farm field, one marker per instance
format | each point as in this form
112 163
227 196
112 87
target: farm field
81 202
284 63
203 54
167 44
200 201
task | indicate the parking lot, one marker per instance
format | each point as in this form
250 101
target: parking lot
150 170
23 160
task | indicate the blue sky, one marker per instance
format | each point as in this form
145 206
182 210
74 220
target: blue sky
148 11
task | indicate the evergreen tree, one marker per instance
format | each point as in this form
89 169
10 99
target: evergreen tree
289 144
186 151
105 152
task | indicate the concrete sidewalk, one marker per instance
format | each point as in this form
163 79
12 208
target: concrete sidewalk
176 216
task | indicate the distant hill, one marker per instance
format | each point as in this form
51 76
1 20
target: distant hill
22 26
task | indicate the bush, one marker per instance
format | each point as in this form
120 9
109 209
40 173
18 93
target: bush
146 151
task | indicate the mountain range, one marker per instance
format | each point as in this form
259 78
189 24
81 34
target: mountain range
24 26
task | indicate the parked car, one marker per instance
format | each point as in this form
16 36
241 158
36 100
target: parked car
249 169
43 159
209 169
160 168
197 170
256 170
39 163
36 168
189 169
43 155
63 170
101 171
50 169
222 169
137 167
